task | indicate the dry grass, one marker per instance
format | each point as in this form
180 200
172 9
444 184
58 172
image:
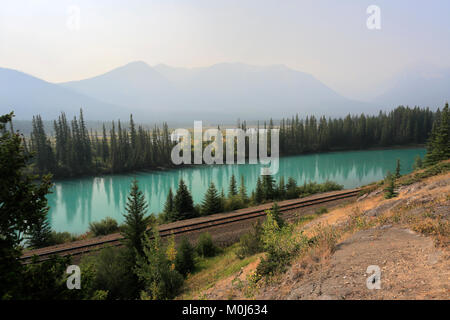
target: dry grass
325 231
211 271
339 224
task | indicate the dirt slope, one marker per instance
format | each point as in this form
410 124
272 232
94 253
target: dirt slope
413 265
411 268
407 237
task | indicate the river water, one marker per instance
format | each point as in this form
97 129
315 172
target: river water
76 202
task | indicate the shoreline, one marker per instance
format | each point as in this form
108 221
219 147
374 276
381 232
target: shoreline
184 166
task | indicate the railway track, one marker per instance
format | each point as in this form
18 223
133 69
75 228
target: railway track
186 226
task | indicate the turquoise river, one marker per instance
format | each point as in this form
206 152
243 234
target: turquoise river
75 203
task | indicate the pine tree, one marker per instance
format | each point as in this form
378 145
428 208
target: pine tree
169 207
86 148
439 144
105 147
211 203
291 189
281 190
268 187
222 199
243 191
183 203
417 163
154 270
40 234
390 189
136 222
232 191
397 170
44 157
259 192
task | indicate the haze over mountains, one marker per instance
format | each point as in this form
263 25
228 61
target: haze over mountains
28 96
420 84
219 93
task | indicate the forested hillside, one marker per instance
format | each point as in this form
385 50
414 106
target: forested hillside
72 150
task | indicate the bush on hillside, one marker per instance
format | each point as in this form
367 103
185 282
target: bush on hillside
184 262
104 227
113 273
205 246
251 243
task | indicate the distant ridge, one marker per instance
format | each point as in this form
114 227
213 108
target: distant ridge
220 93
224 91
28 96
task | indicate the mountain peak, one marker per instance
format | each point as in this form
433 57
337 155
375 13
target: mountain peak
138 63
134 66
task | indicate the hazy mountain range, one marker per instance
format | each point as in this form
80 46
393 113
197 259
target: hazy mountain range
420 84
219 93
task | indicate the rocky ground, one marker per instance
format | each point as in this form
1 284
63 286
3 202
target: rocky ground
406 238
411 268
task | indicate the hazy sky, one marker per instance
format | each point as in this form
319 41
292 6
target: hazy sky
328 39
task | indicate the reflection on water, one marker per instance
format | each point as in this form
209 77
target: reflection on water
74 203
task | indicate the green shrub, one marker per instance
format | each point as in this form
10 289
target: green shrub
313 187
291 189
330 186
88 288
205 246
321 210
234 203
99 295
251 243
156 272
104 227
436 169
43 281
275 210
273 263
62 237
280 243
184 262
114 273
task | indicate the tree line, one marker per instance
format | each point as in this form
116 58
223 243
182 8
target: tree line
73 150
400 126
180 206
